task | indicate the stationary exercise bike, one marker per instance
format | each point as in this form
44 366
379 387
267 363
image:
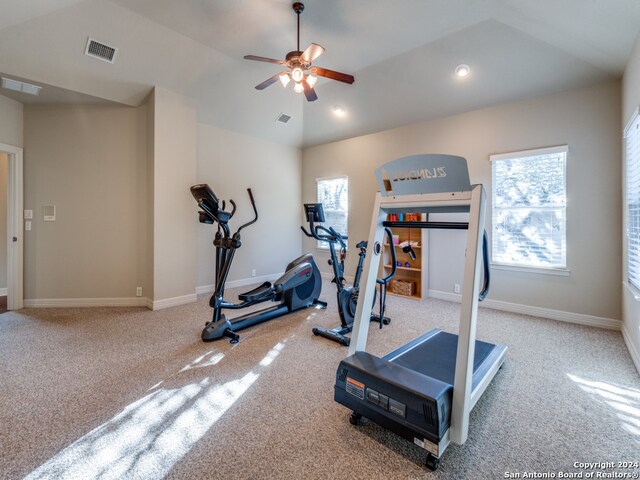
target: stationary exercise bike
347 296
299 287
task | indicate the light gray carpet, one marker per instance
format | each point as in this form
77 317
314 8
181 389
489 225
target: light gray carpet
129 393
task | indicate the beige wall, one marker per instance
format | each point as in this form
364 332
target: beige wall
631 305
4 170
11 113
174 171
119 178
587 119
89 162
230 163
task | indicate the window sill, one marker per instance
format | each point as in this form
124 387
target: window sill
633 291
561 272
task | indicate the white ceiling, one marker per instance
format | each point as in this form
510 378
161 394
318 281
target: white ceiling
402 54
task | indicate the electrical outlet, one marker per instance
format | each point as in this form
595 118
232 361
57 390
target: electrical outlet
138 291
253 272
456 288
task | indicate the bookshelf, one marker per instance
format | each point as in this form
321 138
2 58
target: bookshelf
409 281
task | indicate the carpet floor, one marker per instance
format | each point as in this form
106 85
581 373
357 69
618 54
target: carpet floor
128 393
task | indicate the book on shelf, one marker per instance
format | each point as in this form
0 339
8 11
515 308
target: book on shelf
407 217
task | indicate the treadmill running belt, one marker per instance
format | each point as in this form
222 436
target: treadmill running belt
436 357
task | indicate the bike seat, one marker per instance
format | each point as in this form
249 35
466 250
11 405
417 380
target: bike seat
362 244
257 293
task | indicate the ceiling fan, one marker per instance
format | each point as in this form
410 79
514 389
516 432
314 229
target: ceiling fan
299 67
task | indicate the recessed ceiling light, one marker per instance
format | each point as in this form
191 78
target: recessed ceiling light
339 111
462 70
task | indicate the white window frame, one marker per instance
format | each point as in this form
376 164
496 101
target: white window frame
632 174
552 270
324 245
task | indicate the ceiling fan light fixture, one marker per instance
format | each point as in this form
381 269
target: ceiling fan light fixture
311 80
297 74
284 79
299 62
462 70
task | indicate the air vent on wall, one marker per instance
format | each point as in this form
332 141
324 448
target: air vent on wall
283 118
100 51
23 87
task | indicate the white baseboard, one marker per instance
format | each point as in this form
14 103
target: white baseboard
239 283
560 315
450 297
3 292
173 302
633 349
109 302
86 302
205 289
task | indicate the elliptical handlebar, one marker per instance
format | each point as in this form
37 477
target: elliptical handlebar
233 209
255 212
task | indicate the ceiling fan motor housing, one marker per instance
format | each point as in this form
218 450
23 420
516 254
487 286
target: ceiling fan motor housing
293 59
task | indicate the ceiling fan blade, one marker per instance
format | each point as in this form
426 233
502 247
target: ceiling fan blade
309 92
341 77
312 52
268 81
263 59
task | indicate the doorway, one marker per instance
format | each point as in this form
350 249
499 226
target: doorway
14 226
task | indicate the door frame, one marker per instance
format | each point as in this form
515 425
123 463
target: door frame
15 227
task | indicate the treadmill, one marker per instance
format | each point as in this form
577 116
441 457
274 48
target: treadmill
424 391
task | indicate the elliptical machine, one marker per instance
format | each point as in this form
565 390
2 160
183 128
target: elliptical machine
347 296
299 287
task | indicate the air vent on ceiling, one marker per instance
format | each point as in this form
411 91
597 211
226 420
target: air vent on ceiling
283 118
100 51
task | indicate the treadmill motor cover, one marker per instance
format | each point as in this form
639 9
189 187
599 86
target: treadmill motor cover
410 390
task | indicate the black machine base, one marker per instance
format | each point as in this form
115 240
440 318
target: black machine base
410 390
339 333
228 328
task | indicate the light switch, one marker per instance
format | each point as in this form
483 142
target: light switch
28 214
49 213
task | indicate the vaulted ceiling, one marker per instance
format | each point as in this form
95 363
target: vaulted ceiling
402 54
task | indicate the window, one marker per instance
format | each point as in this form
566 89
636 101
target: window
333 193
529 208
632 198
